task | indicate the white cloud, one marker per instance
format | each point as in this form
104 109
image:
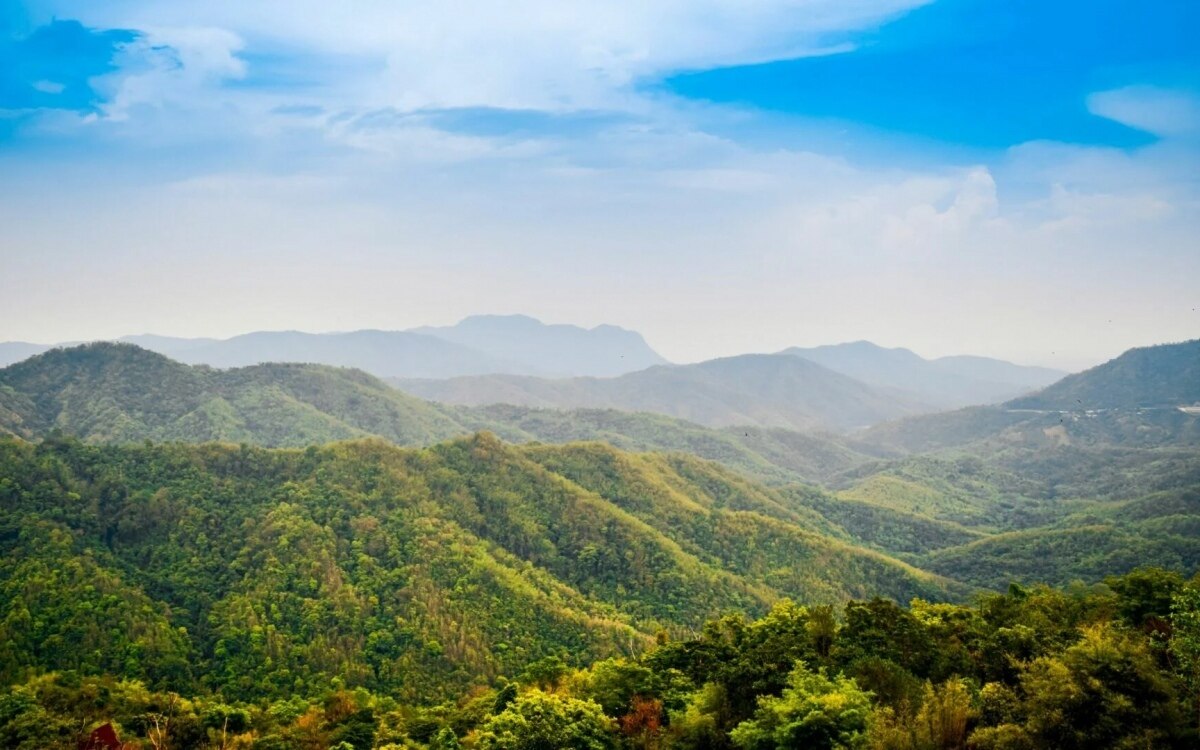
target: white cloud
1163 112
49 87
393 217
179 66
539 54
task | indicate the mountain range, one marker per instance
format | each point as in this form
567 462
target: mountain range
504 536
945 383
122 393
1143 397
754 389
516 345
476 345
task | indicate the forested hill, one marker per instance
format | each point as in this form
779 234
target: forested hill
268 572
1133 401
1153 376
121 393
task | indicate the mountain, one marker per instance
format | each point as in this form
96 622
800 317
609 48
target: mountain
381 353
121 393
265 573
1043 476
757 389
775 456
552 350
1133 400
1165 376
946 383
15 351
477 345
988 370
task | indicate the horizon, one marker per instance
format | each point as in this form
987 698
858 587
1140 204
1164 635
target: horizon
947 176
122 338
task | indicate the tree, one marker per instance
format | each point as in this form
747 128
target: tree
1185 642
814 712
445 739
541 721
1105 691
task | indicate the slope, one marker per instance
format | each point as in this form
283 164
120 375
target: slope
763 390
1140 399
946 383
119 392
1165 376
417 572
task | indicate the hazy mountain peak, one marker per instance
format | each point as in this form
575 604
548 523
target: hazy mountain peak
555 349
1164 376
947 382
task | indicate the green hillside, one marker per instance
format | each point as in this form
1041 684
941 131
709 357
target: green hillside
121 393
267 572
1131 401
1154 376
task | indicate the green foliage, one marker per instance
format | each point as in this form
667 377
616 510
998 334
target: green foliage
1033 668
1104 691
544 721
1166 375
815 711
1185 641
120 393
269 572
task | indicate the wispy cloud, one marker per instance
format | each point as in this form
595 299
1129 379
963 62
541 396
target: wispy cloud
1161 111
408 163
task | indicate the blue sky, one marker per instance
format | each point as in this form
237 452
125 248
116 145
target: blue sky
1012 178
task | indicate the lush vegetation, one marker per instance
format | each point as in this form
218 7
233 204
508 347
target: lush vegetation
122 393
1153 376
1111 665
546 593
268 572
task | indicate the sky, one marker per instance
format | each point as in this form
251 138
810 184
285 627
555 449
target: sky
1018 179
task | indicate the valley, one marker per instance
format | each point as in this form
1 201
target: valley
262 532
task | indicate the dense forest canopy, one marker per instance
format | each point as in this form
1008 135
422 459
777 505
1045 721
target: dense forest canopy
1112 665
590 578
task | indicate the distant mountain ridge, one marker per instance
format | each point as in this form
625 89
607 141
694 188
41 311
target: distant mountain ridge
765 390
1134 399
947 382
121 393
381 353
477 345
554 349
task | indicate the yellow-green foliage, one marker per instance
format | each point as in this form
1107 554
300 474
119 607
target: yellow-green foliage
417 572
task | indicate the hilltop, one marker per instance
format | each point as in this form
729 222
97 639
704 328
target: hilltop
554 350
765 390
946 382
477 345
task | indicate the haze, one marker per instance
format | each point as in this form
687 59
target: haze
1004 179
